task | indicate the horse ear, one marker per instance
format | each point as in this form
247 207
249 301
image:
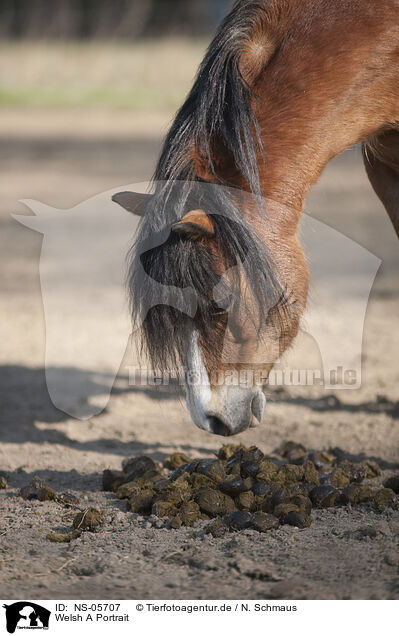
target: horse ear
133 202
194 225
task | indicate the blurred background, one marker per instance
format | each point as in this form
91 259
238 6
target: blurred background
91 86
127 53
88 19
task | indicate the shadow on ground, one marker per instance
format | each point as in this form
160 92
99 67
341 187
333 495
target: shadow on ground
25 401
333 403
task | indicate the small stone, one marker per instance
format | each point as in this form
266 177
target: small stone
263 522
90 519
298 520
118 518
239 520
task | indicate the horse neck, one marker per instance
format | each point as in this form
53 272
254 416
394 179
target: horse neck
290 171
304 122
286 180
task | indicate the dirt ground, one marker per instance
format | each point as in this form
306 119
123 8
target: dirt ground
62 159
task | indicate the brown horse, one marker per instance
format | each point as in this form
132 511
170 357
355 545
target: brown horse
285 86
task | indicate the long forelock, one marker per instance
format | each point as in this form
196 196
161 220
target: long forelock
181 263
218 108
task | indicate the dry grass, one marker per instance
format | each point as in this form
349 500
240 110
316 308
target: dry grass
150 75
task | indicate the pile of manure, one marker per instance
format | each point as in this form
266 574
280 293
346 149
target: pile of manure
241 488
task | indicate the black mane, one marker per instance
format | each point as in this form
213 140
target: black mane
218 108
219 105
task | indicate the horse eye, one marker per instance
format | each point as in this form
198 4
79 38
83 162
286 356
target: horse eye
219 311
222 305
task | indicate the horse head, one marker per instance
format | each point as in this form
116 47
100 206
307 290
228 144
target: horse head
248 306
283 88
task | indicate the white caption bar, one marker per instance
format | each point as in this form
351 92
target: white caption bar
193 617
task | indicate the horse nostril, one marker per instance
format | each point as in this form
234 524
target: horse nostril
218 427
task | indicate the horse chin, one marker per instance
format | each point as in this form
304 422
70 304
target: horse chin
234 409
228 411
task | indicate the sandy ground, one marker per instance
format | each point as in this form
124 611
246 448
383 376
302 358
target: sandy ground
62 161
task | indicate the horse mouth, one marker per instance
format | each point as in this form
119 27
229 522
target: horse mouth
230 414
216 426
